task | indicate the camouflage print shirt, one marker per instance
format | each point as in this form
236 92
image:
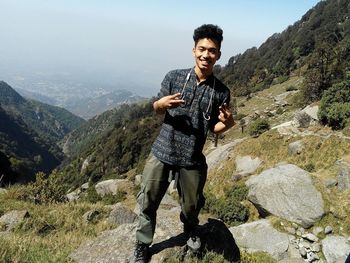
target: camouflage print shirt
184 130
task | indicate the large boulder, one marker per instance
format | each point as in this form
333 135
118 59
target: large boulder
335 248
117 245
113 186
286 191
261 236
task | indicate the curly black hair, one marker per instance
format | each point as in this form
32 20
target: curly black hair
208 31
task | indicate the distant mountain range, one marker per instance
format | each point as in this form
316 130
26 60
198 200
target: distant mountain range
30 131
88 107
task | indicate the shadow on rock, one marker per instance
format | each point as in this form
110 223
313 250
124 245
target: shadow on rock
215 237
176 241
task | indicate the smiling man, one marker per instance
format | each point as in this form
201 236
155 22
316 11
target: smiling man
193 102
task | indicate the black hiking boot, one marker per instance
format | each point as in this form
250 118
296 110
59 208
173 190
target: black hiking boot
141 253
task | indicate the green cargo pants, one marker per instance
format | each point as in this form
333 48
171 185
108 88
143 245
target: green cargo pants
155 182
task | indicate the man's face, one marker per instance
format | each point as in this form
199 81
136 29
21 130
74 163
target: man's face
206 53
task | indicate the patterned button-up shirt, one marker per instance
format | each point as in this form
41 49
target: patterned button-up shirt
184 130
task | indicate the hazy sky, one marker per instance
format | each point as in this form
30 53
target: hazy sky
138 41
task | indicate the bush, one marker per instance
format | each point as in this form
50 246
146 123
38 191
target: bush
335 105
258 127
228 208
43 190
291 88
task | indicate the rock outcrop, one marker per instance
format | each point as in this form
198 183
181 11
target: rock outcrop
335 248
261 236
286 191
11 219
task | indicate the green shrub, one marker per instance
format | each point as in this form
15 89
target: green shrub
258 127
310 167
43 190
91 195
335 105
228 208
291 88
110 199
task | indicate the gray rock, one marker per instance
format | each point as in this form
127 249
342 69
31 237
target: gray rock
112 186
246 165
302 252
11 219
261 236
290 230
316 247
138 179
328 230
74 195
310 237
85 164
311 256
295 147
220 153
90 216
293 252
292 260
84 187
335 248
121 215
329 183
317 230
274 192
311 111
117 245
343 178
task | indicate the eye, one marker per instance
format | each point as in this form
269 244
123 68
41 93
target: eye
213 50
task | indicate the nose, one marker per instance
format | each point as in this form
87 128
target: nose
205 53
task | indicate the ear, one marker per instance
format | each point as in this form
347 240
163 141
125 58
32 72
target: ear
194 51
219 55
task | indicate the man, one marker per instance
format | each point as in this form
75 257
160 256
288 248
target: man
193 101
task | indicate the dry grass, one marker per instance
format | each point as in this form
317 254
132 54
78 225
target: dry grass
51 232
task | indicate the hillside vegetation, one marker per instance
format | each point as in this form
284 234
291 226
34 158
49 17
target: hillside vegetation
305 65
29 134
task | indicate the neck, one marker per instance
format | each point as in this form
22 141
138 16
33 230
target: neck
201 74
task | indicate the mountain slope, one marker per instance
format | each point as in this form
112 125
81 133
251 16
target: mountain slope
110 144
29 133
320 38
50 122
27 152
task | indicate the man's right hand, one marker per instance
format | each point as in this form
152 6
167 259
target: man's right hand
168 102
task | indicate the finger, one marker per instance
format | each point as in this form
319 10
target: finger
176 95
